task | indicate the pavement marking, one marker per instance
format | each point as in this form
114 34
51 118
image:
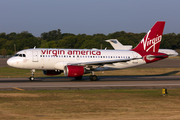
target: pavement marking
124 85
18 88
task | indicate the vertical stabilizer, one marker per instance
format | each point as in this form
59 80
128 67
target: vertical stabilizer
152 40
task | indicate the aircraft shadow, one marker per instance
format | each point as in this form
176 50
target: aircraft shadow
169 73
100 78
109 78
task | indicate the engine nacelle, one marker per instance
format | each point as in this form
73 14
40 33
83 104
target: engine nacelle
73 71
51 72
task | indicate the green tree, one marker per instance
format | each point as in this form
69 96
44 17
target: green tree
52 44
3 35
51 35
3 51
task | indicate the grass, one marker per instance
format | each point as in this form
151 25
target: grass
14 72
7 72
144 104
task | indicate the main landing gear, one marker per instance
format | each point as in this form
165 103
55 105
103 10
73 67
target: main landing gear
32 75
93 77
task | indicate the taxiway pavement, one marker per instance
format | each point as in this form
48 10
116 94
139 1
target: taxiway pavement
104 82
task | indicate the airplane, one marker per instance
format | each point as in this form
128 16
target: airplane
118 46
77 62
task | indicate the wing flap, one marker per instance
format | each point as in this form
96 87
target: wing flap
101 63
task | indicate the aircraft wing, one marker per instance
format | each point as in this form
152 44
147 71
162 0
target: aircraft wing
103 62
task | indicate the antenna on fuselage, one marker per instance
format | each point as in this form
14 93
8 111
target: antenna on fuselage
34 47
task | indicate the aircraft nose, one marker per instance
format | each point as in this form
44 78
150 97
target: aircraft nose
10 62
176 53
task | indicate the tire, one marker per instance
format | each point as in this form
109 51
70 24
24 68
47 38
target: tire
93 78
90 77
31 78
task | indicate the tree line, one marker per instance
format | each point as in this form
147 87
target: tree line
13 42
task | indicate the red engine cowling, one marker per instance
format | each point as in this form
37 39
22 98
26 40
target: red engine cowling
73 71
51 72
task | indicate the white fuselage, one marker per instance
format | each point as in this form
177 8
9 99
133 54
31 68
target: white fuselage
56 59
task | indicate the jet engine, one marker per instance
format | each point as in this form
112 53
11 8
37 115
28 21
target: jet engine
51 72
73 71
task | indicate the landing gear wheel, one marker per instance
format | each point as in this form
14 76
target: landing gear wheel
32 75
93 78
90 77
31 78
78 78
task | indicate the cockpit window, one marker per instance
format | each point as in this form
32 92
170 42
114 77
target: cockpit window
20 55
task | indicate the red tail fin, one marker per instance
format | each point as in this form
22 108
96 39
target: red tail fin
152 40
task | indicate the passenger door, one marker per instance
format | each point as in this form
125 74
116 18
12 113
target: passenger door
35 56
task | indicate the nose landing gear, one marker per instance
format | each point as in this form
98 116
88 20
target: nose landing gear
32 75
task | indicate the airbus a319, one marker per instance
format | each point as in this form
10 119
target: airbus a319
77 62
